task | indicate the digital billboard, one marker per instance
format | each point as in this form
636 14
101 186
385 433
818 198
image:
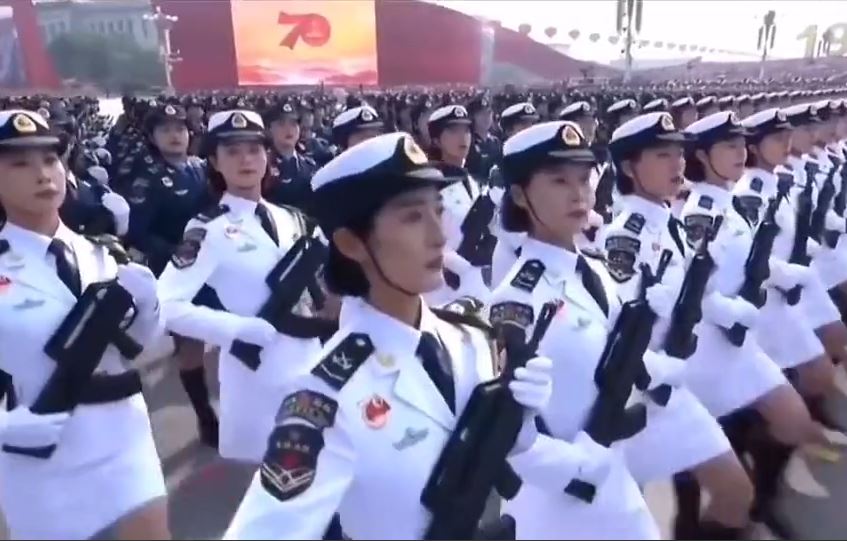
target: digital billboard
304 42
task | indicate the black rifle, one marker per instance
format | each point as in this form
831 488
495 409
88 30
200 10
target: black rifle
291 276
680 341
474 461
824 203
803 229
621 367
78 345
757 266
840 202
478 243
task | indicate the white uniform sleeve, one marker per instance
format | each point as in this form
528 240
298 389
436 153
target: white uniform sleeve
303 478
191 266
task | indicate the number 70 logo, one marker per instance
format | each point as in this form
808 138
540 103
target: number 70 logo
312 28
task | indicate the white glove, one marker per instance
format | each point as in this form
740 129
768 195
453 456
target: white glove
726 312
141 284
812 248
532 385
664 369
834 222
661 299
119 208
786 275
256 331
598 460
22 428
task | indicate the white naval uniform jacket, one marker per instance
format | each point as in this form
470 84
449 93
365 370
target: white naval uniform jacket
383 427
574 341
458 199
724 377
234 256
830 265
105 463
682 434
753 192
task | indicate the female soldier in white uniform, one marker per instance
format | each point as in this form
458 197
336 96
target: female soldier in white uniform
546 169
105 472
361 432
465 273
736 382
768 144
232 249
681 437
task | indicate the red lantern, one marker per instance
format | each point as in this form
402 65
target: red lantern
550 31
525 29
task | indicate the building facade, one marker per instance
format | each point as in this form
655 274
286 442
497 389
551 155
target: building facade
123 18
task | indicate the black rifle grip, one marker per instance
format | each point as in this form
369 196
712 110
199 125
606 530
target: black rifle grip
581 490
246 353
736 335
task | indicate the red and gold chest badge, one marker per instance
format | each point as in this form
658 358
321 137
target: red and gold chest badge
375 412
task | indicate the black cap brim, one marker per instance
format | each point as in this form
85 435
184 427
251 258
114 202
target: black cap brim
375 125
231 136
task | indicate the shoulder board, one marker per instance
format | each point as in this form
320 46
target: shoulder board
4 246
112 244
635 223
464 311
706 202
528 277
341 363
756 185
212 213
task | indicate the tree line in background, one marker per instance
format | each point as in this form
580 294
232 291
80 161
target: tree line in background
111 62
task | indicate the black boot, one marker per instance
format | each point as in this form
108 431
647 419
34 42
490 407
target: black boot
770 459
687 492
194 383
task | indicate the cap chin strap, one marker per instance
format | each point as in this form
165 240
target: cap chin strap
384 276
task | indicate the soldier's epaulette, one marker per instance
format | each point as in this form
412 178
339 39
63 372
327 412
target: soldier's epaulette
339 365
529 275
465 311
212 213
112 244
635 223
4 246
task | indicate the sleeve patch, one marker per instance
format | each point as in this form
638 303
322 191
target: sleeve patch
529 275
291 459
621 255
522 314
342 362
635 223
185 254
313 407
696 226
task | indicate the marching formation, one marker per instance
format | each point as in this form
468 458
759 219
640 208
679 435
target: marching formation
434 317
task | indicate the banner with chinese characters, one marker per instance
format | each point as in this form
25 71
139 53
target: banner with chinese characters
304 42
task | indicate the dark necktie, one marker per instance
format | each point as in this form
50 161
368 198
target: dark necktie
592 284
267 223
432 355
66 266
